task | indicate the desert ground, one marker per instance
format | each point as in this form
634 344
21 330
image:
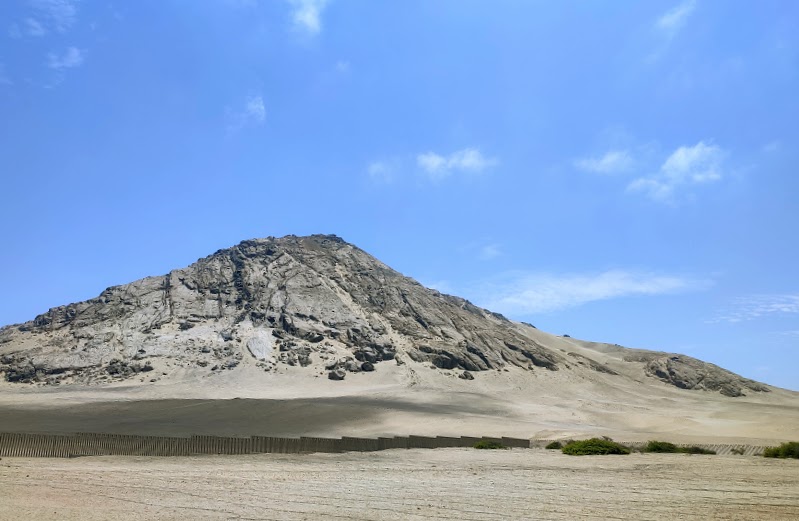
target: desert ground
462 484
384 403
458 484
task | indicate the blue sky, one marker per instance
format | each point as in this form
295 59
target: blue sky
618 171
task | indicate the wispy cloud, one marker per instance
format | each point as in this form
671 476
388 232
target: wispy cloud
758 306
772 147
382 171
253 113
490 251
438 167
521 293
306 15
686 166
668 26
34 28
673 20
613 162
255 109
72 57
58 14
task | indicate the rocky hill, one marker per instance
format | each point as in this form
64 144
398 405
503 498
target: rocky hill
312 302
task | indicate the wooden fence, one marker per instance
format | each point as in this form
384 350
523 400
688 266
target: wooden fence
92 444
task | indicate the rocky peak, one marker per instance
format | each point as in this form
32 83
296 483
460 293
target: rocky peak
290 300
316 302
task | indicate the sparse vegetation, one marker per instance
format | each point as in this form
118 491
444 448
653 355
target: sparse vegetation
696 450
554 445
660 446
738 451
594 446
786 450
666 447
488 444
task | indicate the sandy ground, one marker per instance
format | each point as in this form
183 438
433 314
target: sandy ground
515 403
462 484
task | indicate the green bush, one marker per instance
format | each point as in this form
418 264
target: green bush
660 446
696 450
786 450
594 446
666 447
488 444
554 445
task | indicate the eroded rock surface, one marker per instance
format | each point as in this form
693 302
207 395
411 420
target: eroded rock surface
689 373
281 300
312 302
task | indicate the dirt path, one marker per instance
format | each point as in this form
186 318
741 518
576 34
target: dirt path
462 484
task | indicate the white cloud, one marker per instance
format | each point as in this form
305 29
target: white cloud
431 162
255 109
34 28
381 171
614 161
60 14
758 306
466 160
306 14
72 57
699 163
694 165
253 113
342 66
674 19
490 251
524 293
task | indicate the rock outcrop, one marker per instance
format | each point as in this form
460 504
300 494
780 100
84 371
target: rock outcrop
315 302
689 373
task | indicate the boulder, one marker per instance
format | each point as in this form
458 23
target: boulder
337 374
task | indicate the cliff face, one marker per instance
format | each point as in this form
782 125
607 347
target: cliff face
315 302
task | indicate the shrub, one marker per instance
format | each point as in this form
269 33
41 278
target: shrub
786 450
660 446
488 444
696 450
666 447
554 445
594 446
737 451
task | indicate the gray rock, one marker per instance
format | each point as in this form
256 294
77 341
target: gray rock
338 374
303 294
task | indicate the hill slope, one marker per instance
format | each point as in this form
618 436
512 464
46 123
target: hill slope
344 338
299 301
